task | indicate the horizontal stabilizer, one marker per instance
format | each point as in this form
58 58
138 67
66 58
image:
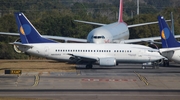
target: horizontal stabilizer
20 44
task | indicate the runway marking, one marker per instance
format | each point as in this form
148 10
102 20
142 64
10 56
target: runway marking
36 81
142 78
106 80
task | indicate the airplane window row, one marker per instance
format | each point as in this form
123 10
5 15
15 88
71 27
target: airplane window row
57 50
122 51
98 37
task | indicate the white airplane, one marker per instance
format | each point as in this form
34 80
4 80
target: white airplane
117 32
170 46
84 53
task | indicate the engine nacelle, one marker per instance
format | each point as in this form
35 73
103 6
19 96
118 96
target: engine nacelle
16 48
107 61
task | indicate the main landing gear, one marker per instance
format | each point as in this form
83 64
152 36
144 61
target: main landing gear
89 66
166 63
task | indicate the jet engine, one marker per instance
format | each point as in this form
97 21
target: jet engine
107 61
16 47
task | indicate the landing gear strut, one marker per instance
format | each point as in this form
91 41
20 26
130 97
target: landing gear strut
166 63
89 66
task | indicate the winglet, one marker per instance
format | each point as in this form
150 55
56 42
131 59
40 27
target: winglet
28 33
120 11
167 38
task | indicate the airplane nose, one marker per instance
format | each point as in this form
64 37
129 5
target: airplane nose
159 57
98 41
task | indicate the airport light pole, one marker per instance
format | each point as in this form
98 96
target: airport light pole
137 7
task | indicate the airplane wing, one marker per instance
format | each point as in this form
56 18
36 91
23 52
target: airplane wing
150 39
142 24
129 26
92 23
66 39
79 58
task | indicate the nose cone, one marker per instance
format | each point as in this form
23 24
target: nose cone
99 36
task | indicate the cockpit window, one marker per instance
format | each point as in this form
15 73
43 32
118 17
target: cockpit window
98 37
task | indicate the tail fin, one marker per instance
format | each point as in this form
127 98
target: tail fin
120 11
167 38
28 33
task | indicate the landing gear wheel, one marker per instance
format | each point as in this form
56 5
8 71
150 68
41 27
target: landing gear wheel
89 66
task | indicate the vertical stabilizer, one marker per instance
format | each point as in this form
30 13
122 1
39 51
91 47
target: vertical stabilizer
28 33
167 38
120 11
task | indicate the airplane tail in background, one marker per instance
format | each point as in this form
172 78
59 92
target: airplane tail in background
167 38
120 11
28 33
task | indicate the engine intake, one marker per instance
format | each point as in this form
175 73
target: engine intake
16 48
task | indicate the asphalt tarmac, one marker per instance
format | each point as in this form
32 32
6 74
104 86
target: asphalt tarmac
125 81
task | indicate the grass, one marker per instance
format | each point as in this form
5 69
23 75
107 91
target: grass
36 66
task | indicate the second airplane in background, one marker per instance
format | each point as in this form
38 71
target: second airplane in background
117 32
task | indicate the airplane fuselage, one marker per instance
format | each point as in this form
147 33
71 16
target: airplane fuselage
111 33
102 53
